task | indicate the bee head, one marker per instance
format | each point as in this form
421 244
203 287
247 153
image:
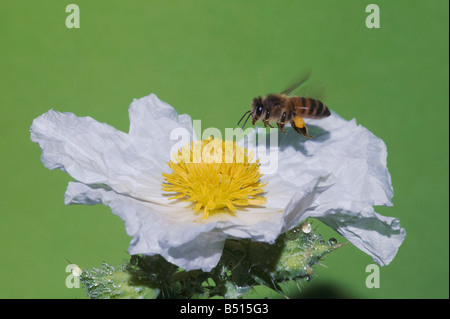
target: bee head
257 109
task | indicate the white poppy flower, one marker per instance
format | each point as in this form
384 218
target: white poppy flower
336 177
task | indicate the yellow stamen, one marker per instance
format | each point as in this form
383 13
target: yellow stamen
216 175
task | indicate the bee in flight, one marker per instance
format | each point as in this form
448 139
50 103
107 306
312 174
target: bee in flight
282 108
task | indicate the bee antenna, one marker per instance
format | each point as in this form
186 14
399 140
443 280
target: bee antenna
246 120
243 116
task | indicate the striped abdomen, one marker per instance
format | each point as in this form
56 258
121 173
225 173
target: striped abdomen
309 108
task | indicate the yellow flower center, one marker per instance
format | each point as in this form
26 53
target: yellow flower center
216 175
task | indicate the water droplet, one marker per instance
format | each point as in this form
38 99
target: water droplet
332 241
306 228
308 278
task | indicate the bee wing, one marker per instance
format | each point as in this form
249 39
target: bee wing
300 80
314 90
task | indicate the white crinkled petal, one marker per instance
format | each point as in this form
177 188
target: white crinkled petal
351 164
96 153
157 128
378 236
355 156
186 244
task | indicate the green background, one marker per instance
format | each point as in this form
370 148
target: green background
209 59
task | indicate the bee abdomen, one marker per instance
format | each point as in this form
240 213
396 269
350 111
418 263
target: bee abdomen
310 108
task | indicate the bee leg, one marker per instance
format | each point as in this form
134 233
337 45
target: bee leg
266 123
280 126
298 124
266 119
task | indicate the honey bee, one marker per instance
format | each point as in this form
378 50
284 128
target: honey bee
282 108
